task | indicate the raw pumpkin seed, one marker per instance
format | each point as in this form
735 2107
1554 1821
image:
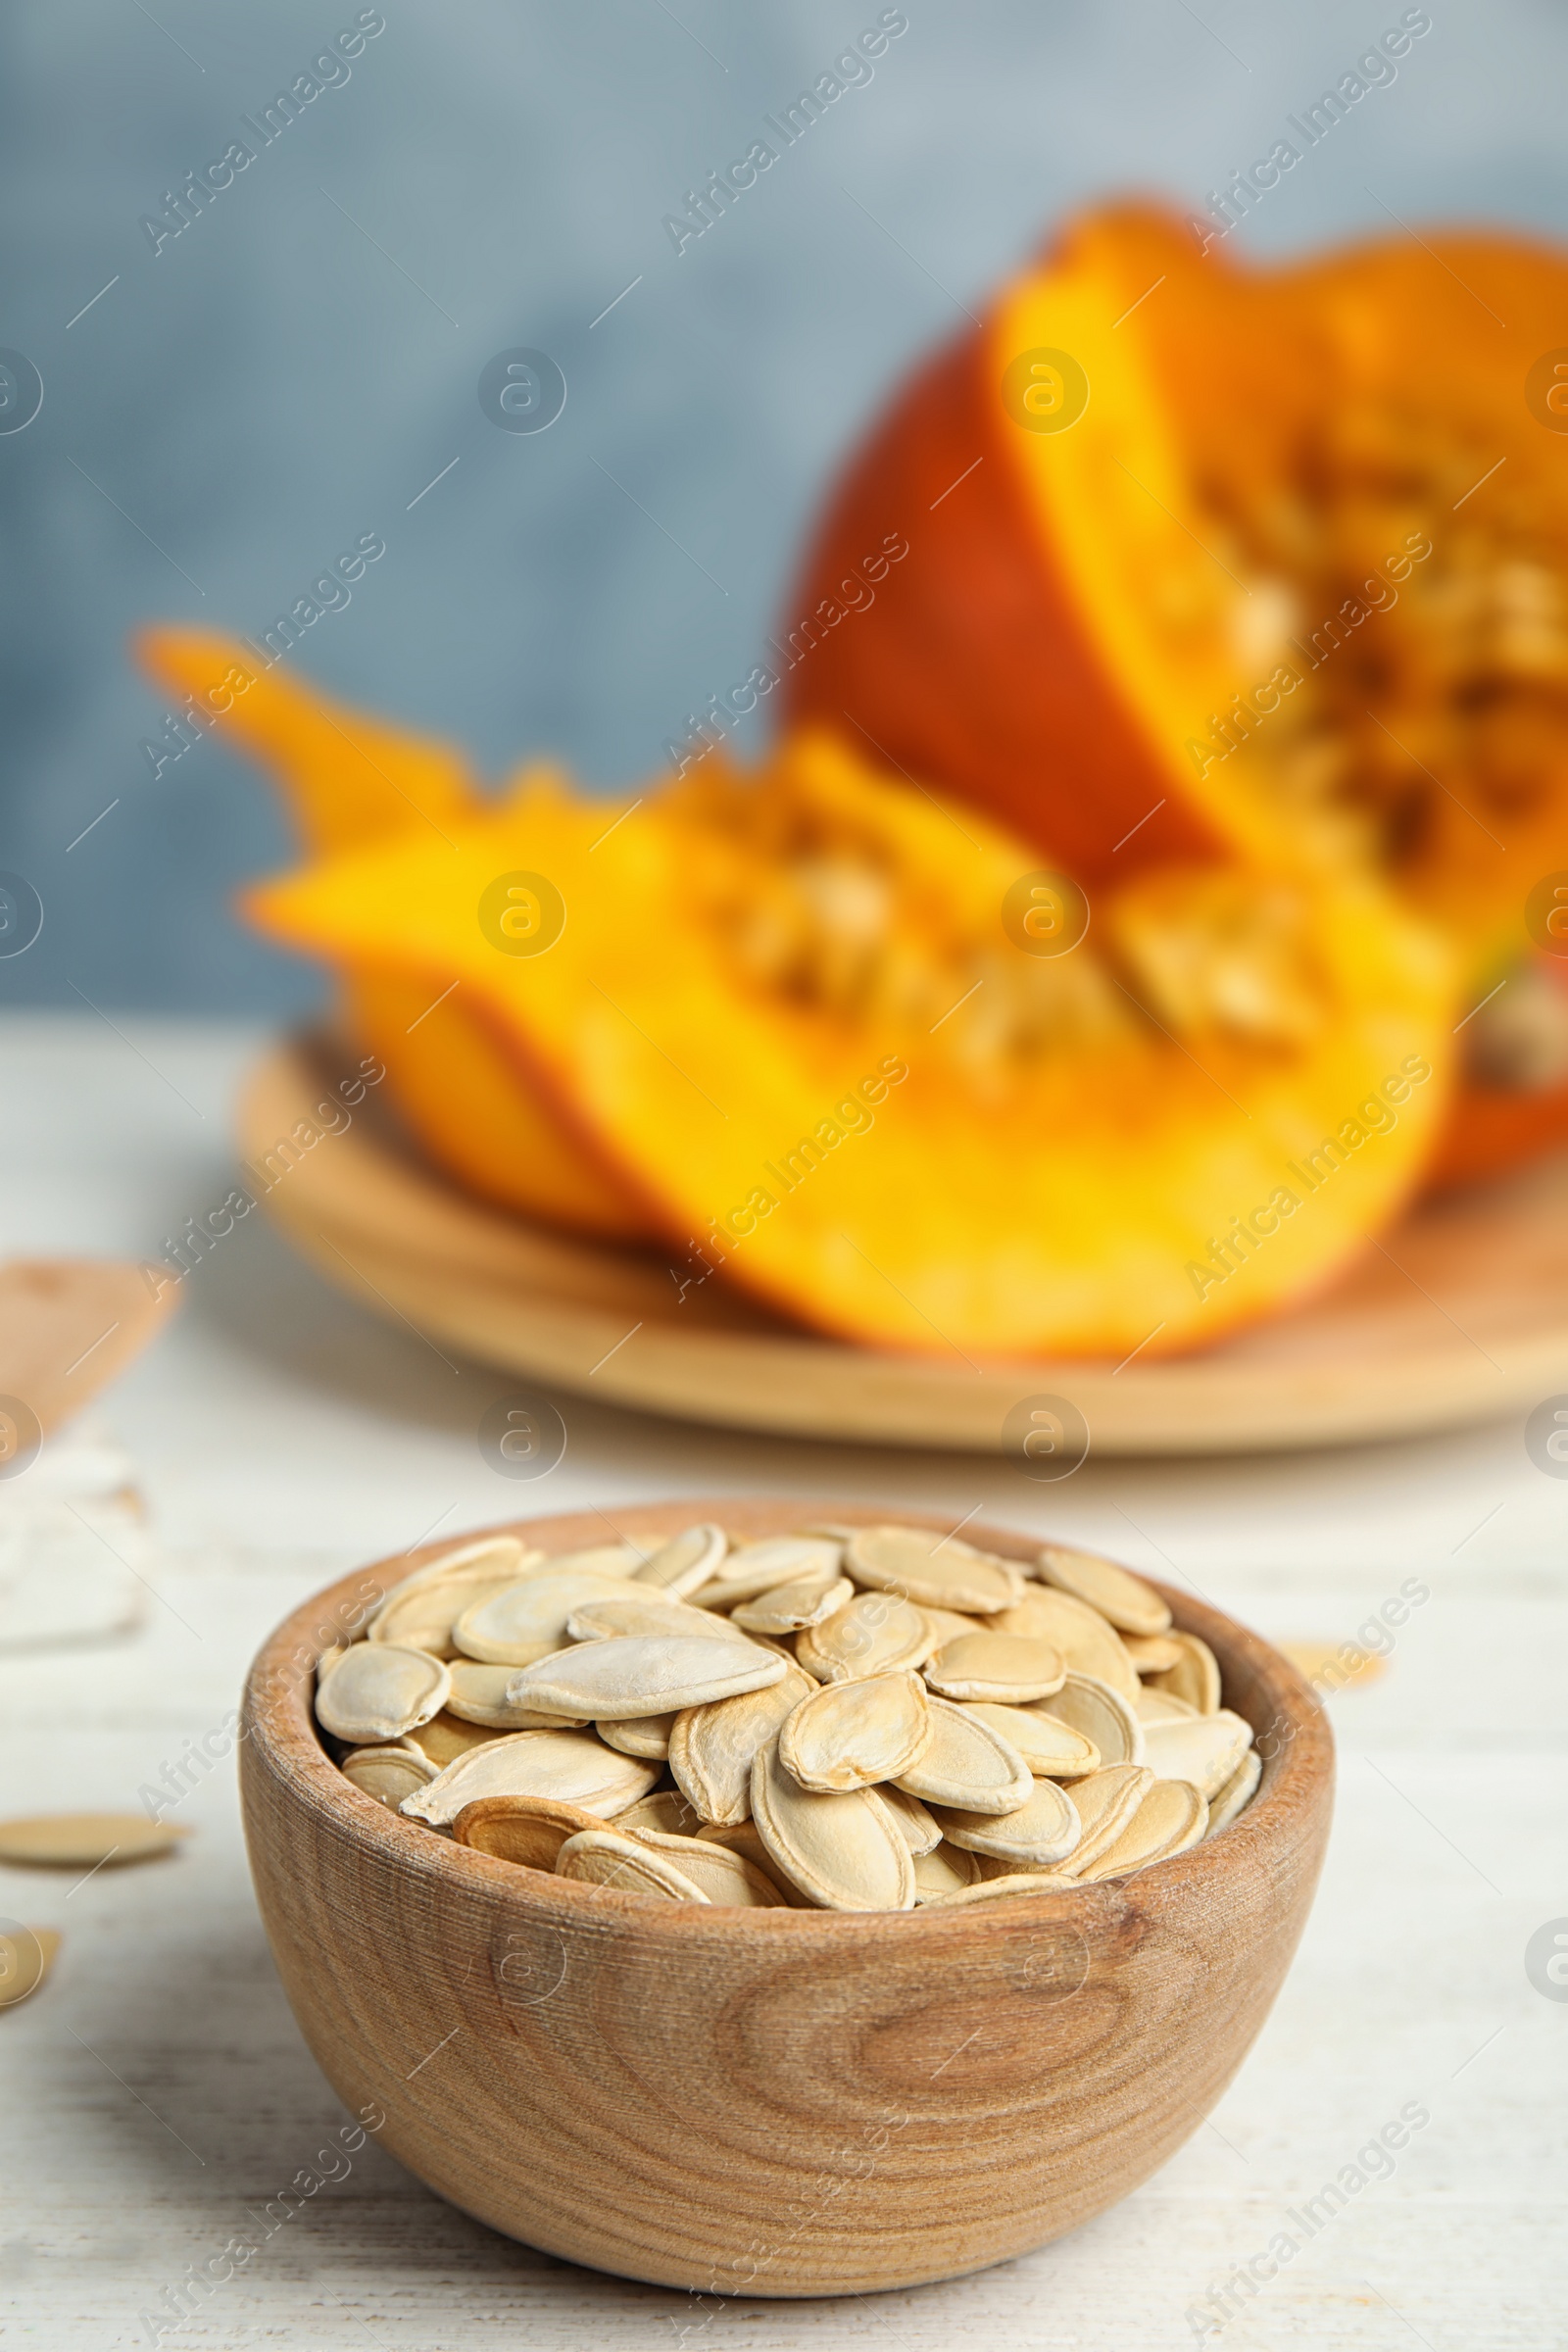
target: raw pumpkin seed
1162 1706
1123 1600
1236 1792
844 1851
1172 1816
639 1735
388 1774
664 1810
604 1859
741 1838
634 1674
945 1870
968 1764
920 1833
377 1693
447 1737
788 1609
1088 1644
1204 1750
1102 1714
1151 1654
1007 1669
478 1695
528 1620
26 1958
711 1747
528 1830
1196 1679
1045 1829
925 1568
1052 1748
688 1560
754 1568
649 1614
1106 1803
575 1765
994 1890
85 1841
423 1615
852 1735
876 1633
724 1875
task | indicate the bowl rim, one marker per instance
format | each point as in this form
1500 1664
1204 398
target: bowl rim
278 1732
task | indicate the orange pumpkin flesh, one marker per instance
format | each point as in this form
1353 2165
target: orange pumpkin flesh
787 1013
350 779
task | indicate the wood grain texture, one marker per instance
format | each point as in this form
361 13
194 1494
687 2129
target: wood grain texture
68 1324
760 2102
1459 1315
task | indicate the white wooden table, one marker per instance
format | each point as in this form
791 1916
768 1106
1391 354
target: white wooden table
157 2086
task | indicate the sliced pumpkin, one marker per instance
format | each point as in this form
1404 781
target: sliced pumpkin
350 779
788 1013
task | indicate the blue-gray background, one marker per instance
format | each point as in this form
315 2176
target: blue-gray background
281 378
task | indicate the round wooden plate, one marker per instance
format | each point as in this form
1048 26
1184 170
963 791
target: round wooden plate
1460 1315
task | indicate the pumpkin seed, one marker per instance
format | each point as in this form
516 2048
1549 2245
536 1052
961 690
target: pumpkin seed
1196 1679
1052 1750
447 1737
422 1616
740 1838
968 1764
622 1562
1106 1802
328 1661
1172 1816
1009 1669
711 1747
388 1774
687 1561
786 1608
945 1870
1123 1600
844 1850
378 1691
724 1875
926 1568
852 1735
1101 1714
1204 1750
994 1890
1162 1706
85 1841
1237 1791
1088 1644
920 1833
526 1830
573 1765
478 1695
947 1624
639 1735
528 1620
664 1810
754 1568
631 1674
26 1956
1045 1829
494 1555
650 1615
873 1634
604 1859
1151 1654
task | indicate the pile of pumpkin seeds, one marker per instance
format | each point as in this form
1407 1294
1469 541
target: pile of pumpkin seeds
852 1719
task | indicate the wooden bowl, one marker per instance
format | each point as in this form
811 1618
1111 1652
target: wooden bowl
777 2102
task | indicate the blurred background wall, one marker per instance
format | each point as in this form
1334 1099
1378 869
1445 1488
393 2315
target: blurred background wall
229 408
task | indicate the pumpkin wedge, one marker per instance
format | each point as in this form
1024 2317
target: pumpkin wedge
350 779
790 1011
